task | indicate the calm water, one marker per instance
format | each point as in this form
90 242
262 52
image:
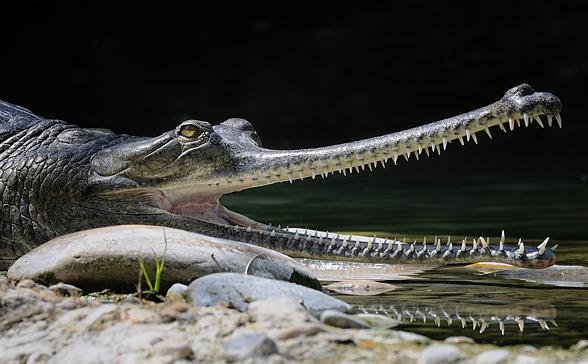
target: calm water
451 297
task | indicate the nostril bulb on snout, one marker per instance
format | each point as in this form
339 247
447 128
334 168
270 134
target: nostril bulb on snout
520 90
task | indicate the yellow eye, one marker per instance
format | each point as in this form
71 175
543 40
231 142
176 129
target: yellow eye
189 131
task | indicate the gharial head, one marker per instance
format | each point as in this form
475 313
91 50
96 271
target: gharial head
186 170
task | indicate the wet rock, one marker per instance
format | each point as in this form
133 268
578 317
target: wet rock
459 340
65 289
109 258
342 320
439 354
254 345
238 290
412 337
176 293
492 357
376 321
361 287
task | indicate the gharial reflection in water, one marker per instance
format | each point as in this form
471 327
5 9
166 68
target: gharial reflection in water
478 316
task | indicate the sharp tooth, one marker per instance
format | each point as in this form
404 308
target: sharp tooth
501 247
474 138
427 151
273 233
468 134
484 242
521 325
438 149
538 120
383 163
554 323
444 143
463 246
521 247
526 117
558 119
554 247
370 167
407 156
543 324
474 244
501 126
483 327
541 247
487 130
518 122
395 157
432 146
550 120
375 163
343 171
511 123
501 326
461 140
438 245
448 240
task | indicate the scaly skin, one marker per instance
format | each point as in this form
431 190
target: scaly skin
58 178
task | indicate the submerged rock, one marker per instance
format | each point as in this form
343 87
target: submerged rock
361 287
238 290
109 258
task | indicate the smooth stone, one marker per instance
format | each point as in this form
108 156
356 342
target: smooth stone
254 345
109 258
492 357
176 293
65 289
342 320
283 309
361 287
238 290
376 321
439 354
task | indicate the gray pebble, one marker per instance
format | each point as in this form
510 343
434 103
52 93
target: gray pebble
342 320
492 357
252 345
176 293
65 289
439 354
238 290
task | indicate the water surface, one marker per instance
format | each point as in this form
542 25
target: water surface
438 302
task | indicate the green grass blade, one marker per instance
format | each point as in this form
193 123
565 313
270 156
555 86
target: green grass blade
145 274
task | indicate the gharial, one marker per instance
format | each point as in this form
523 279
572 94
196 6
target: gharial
58 178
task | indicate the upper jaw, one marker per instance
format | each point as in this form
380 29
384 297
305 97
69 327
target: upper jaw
260 166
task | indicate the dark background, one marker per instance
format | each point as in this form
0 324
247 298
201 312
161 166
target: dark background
308 75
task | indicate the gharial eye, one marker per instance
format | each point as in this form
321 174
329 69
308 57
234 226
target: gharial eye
189 131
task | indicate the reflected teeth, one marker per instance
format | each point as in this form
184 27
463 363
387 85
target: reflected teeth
521 247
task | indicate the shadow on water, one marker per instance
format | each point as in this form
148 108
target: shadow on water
449 301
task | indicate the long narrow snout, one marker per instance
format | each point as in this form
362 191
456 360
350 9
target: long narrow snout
519 104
